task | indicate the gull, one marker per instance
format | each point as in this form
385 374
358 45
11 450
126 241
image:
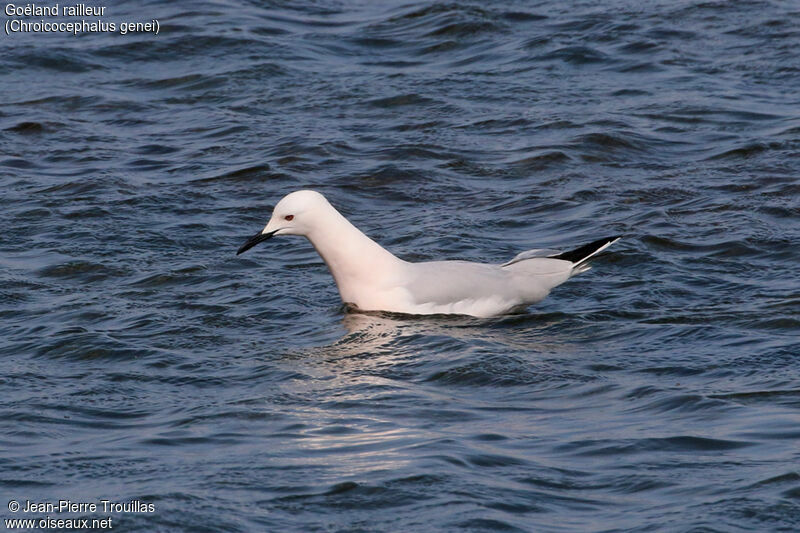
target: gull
370 278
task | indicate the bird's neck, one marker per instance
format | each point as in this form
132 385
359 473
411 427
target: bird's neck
355 261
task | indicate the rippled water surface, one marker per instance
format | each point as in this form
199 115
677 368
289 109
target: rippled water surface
140 359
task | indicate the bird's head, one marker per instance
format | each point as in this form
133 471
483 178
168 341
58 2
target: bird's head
297 213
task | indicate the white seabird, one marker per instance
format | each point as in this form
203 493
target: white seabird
371 278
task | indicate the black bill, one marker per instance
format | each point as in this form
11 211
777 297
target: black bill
255 239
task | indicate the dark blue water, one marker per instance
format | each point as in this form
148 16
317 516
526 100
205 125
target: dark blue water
141 360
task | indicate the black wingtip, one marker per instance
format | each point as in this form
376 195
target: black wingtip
579 254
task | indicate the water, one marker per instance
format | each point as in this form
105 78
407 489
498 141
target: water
140 359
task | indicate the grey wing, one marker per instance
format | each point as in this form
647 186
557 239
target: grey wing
530 254
445 282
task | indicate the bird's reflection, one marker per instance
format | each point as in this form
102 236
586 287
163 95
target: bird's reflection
382 366
382 323
380 333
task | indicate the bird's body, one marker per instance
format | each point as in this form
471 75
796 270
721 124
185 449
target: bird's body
372 279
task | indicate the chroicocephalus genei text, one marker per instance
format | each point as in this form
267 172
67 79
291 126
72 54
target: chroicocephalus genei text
373 279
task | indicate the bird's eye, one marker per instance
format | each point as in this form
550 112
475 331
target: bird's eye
288 217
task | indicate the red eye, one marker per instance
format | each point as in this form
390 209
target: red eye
288 217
